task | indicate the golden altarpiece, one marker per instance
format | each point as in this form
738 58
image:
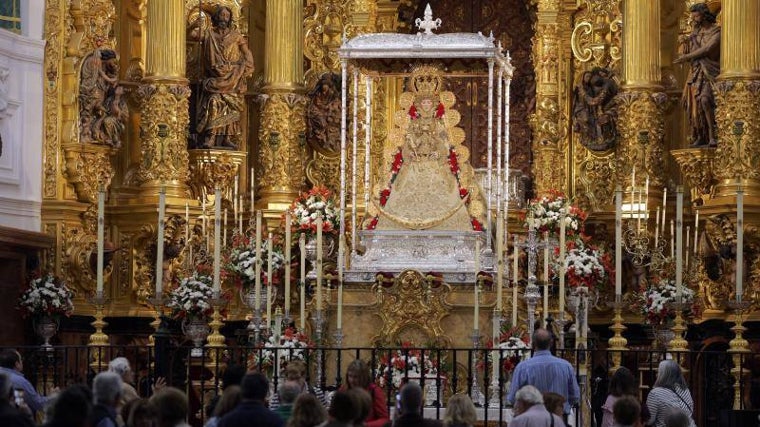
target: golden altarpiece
595 95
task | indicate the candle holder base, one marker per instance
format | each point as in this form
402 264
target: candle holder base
98 339
617 344
338 337
561 323
678 343
158 302
738 347
216 341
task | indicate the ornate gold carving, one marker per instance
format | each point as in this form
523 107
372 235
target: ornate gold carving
144 257
323 26
282 142
738 109
88 167
93 21
596 176
324 170
642 130
697 168
412 308
164 134
597 37
211 168
55 35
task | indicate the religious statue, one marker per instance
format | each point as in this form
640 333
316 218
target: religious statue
103 109
431 186
226 63
702 49
594 111
323 115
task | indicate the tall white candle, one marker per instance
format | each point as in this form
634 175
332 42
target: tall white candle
477 258
546 276
672 239
562 254
696 232
217 237
664 209
639 212
687 251
240 216
515 278
257 288
499 259
319 262
618 241
187 223
739 242
646 200
302 296
270 285
160 242
224 227
288 243
679 243
657 228
339 319
235 207
476 311
101 240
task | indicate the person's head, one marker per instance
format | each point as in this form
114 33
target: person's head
296 371
623 383
120 365
72 407
626 411
230 399
411 398
460 410
289 391
542 339
11 359
555 403
233 375
526 397
5 386
254 387
669 375
342 408
142 413
107 388
426 104
675 417
362 403
358 375
701 14
171 406
307 411
222 17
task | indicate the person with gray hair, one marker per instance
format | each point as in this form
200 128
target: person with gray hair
10 415
288 392
106 392
669 391
120 365
530 410
677 418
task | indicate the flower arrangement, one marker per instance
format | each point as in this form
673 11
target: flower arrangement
192 298
406 362
513 348
46 296
544 214
292 344
307 207
655 301
241 259
587 265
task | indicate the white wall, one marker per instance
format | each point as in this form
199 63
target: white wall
21 120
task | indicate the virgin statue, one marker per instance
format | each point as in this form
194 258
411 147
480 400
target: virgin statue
431 184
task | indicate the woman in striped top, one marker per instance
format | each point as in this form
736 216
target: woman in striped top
669 391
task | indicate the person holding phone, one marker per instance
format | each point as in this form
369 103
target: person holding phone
11 414
12 365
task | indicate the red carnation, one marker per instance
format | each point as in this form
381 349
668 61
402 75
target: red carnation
476 225
372 224
413 112
439 111
384 196
463 193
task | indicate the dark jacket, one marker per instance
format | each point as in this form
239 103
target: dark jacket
413 420
10 416
251 411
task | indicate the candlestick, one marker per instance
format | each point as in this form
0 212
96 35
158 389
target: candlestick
302 296
639 212
686 251
217 237
257 288
160 242
739 242
657 227
235 207
224 227
515 269
204 225
187 223
696 232
562 255
477 258
646 200
546 276
288 244
101 240
319 262
340 304
240 216
679 243
633 182
476 304
270 286
664 209
252 180
499 258
672 239
618 240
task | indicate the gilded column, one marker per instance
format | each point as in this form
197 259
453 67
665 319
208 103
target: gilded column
283 121
164 95
546 122
737 95
641 103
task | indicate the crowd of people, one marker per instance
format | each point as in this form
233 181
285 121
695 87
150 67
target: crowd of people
543 392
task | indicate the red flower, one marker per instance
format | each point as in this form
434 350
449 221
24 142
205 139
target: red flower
453 163
463 193
413 112
398 160
476 225
372 224
384 196
439 111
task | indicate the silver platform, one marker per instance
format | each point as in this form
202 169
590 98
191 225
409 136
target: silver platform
450 253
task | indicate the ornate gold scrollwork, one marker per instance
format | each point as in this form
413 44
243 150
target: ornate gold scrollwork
88 167
597 36
738 109
412 310
697 168
283 144
211 168
642 130
323 31
144 257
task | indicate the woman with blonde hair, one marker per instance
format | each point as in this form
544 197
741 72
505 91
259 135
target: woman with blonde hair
307 412
358 376
460 412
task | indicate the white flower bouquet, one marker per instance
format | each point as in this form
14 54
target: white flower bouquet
192 298
306 209
406 362
587 265
47 296
291 345
241 260
513 348
544 214
655 302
